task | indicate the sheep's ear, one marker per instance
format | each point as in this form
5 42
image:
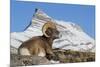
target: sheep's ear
48 32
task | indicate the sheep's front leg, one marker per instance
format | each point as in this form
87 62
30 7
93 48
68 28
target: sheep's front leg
50 55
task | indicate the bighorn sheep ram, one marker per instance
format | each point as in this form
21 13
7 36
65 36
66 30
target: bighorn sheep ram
40 45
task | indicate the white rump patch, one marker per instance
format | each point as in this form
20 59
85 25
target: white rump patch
24 51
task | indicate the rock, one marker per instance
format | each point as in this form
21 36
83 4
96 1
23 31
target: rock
70 56
19 60
61 56
13 50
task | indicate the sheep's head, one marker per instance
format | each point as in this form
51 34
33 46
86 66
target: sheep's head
49 29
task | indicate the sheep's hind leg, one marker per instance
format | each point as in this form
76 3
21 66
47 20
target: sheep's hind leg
41 52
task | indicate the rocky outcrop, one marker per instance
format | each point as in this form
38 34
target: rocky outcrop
19 60
61 56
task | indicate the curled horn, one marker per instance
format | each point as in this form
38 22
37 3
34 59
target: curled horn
46 26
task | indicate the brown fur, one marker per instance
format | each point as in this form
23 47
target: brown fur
41 43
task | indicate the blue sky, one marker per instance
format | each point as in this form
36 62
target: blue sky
83 15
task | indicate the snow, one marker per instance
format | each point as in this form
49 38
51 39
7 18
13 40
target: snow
73 37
